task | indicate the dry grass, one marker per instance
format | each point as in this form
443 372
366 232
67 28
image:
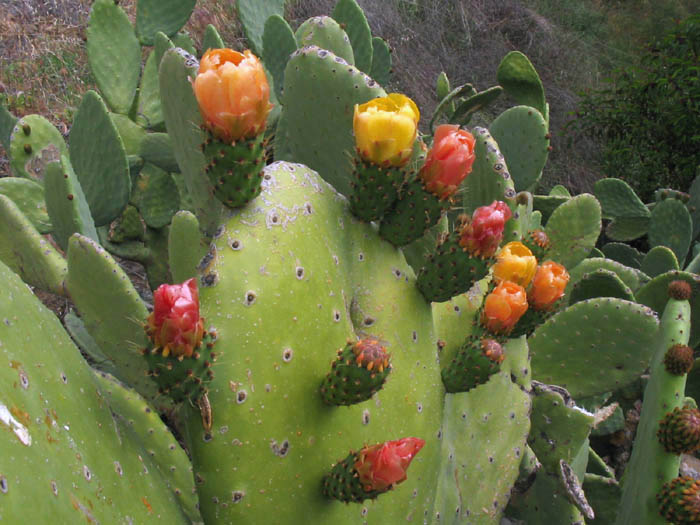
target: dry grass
45 67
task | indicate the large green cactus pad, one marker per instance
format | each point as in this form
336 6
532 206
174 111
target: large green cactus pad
658 260
183 121
34 143
281 311
522 135
320 91
66 204
671 226
29 197
64 455
114 54
483 440
150 114
326 33
490 178
26 252
350 16
153 16
99 160
253 14
113 312
594 346
573 230
278 43
618 199
520 80
632 278
624 254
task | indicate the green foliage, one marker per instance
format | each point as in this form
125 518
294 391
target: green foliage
648 115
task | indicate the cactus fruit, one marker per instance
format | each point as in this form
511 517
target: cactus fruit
477 360
679 501
358 372
464 256
371 471
234 98
679 360
385 129
679 431
425 199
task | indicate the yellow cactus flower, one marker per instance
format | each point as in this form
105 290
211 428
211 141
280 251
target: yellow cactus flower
515 264
233 94
385 129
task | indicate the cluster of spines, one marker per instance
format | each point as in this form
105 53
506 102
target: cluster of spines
679 430
235 170
375 189
343 482
477 360
679 501
450 270
182 377
360 370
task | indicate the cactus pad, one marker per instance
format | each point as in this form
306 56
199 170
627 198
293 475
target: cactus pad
66 204
29 198
103 172
318 83
153 16
600 283
64 454
156 196
490 179
613 336
278 43
520 80
522 136
26 252
253 14
671 226
324 32
34 143
351 17
573 230
114 54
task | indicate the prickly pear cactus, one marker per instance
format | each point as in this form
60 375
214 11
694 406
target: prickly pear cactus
282 305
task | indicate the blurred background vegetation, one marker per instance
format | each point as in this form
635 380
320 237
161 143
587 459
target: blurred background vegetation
596 58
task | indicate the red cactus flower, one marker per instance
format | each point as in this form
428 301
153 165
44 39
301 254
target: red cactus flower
449 160
548 285
175 324
383 465
482 235
504 307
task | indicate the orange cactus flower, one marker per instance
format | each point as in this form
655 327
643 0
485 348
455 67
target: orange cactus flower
504 307
515 264
548 285
385 129
233 94
482 234
449 161
175 325
383 465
